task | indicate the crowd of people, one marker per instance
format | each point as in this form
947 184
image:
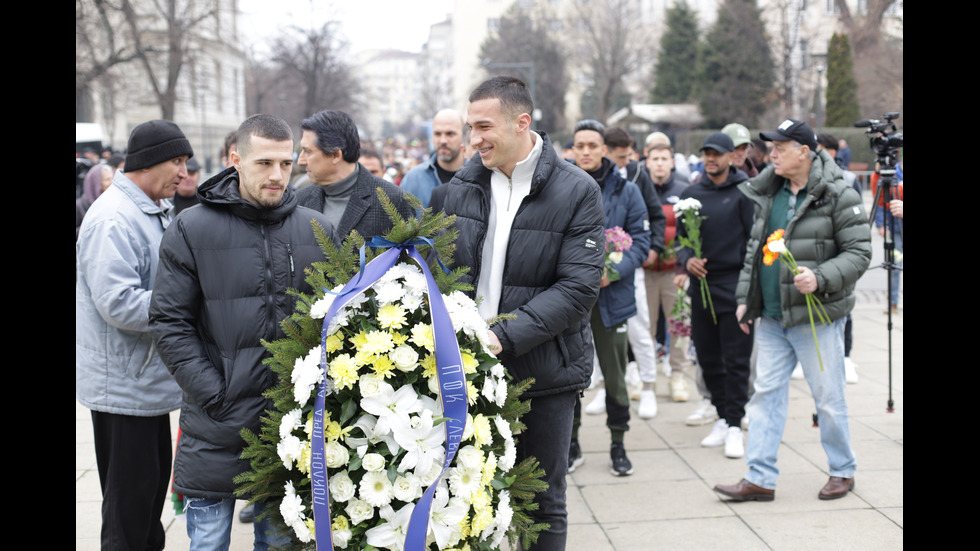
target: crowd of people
178 282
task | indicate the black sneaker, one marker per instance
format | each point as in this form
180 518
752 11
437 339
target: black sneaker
574 456
620 464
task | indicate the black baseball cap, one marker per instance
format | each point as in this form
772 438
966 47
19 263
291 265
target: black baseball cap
792 130
720 142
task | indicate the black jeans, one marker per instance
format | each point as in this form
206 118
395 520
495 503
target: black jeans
724 353
133 455
547 437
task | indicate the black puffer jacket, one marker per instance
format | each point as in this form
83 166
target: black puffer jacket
225 266
552 269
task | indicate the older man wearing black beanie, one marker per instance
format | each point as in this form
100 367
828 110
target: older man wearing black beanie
118 374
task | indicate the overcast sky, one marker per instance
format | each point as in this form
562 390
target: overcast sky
367 24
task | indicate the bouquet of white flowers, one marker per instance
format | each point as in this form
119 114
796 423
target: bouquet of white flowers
396 430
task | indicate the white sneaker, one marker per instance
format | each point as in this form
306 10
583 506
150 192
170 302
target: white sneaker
850 372
706 413
797 372
633 382
734 447
648 404
678 388
598 404
719 433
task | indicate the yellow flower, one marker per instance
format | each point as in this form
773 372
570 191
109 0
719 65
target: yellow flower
378 342
422 336
383 366
471 393
335 342
481 430
343 371
333 431
429 366
340 522
470 363
303 463
483 511
359 339
311 525
391 316
489 469
464 527
398 338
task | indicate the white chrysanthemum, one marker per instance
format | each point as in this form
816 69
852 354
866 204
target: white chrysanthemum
306 374
290 422
465 316
506 462
687 204
498 371
501 521
500 397
412 301
342 488
388 292
320 307
415 281
290 449
376 489
291 507
341 319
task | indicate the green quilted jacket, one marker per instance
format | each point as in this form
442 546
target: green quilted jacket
828 234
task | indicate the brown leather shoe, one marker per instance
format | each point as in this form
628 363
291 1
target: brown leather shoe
745 491
836 488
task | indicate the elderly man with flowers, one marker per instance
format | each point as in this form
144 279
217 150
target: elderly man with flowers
803 193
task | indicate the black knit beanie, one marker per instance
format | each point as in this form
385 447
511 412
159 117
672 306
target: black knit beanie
155 142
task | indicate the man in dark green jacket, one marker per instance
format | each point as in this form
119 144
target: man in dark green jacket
804 194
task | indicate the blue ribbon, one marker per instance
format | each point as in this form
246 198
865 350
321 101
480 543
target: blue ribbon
452 383
380 242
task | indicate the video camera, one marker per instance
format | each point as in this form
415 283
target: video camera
885 139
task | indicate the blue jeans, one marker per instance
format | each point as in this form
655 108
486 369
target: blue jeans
896 275
209 525
779 349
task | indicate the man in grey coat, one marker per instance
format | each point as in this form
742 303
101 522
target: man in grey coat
118 374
